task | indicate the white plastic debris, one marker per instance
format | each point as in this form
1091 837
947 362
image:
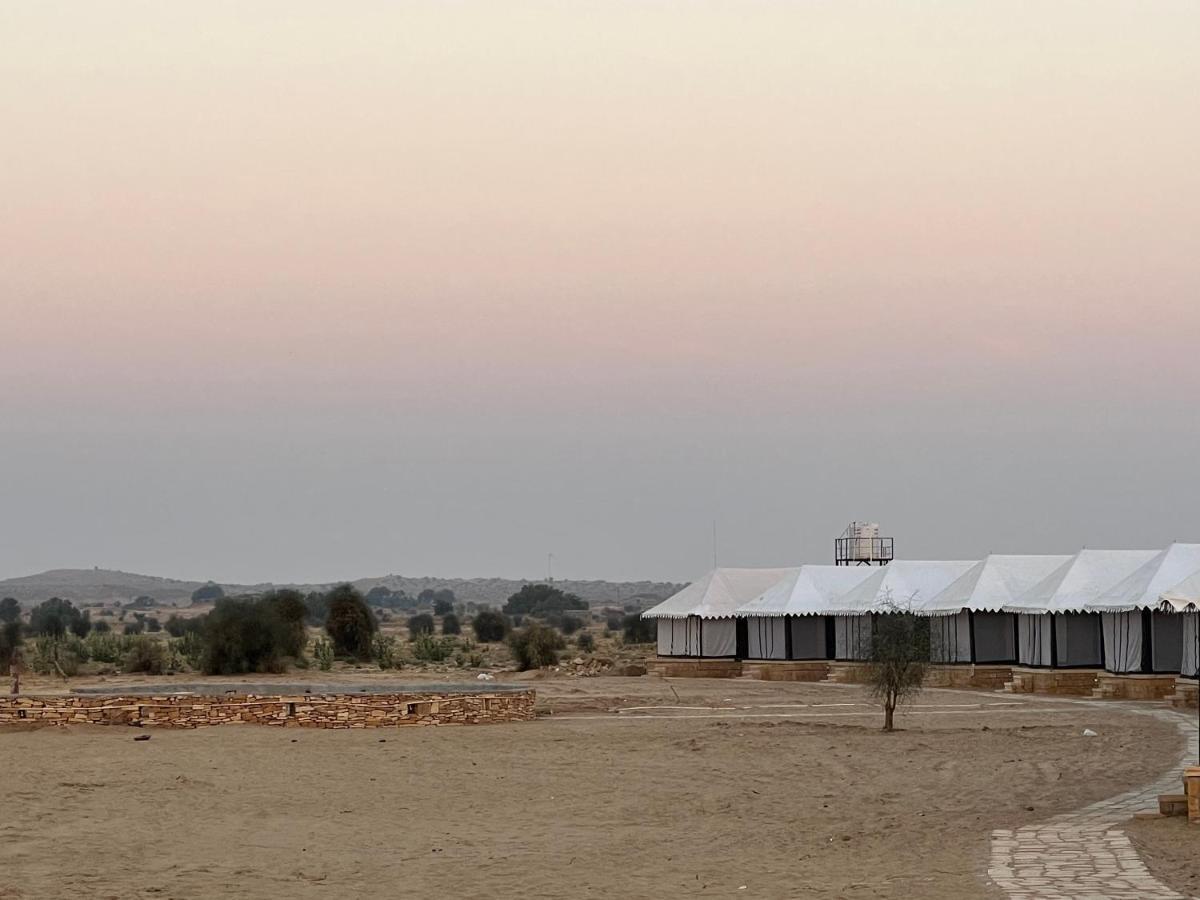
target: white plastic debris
485 676
1087 732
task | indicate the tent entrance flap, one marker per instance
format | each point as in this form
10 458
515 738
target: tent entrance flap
679 637
1078 640
853 637
718 637
1035 639
1166 642
808 637
993 637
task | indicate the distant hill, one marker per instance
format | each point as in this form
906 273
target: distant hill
107 586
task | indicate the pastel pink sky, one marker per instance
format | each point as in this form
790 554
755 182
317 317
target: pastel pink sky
503 239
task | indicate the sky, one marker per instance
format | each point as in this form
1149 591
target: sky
297 291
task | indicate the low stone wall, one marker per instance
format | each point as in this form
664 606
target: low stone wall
298 711
670 667
1133 687
1064 682
976 677
786 669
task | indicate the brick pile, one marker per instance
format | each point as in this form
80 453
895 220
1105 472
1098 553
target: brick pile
295 711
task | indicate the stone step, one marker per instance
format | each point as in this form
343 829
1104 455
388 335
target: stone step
1173 804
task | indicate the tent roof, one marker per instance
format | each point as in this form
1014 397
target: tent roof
1143 589
905 582
1183 597
718 594
809 590
991 584
1080 580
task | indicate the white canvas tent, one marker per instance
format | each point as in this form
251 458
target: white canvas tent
1053 626
700 619
969 623
1138 638
786 620
904 583
1183 600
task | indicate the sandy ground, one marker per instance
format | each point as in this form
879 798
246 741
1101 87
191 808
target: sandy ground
785 789
1171 850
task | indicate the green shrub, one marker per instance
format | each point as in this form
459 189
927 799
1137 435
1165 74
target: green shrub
430 649
535 646
451 625
350 624
10 640
383 648
134 627
541 600
489 626
101 627
419 625
145 655
640 631
570 625
323 652
586 642
55 617
53 657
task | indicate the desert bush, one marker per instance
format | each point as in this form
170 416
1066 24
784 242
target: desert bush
430 649
638 630
350 624
489 626
570 625
145 655
251 635
419 624
383 648
104 646
135 627
323 653
206 592
101 627
49 656
535 646
586 642
443 606
190 647
451 625
153 625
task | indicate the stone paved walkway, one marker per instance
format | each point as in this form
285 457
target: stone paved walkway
1085 855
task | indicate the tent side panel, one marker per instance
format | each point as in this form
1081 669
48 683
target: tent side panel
1122 641
1191 624
808 637
718 637
994 638
1033 630
950 638
767 637
853 636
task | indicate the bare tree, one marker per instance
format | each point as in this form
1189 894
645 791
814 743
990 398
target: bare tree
898 658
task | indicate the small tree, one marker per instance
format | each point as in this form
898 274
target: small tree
638 630
10 610
451 625
206 592
420 624
489 626
54 618
541 600
897 658
350 624
443 606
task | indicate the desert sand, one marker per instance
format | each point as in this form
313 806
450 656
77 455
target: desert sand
739 789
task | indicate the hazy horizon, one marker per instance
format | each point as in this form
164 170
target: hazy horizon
297 293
